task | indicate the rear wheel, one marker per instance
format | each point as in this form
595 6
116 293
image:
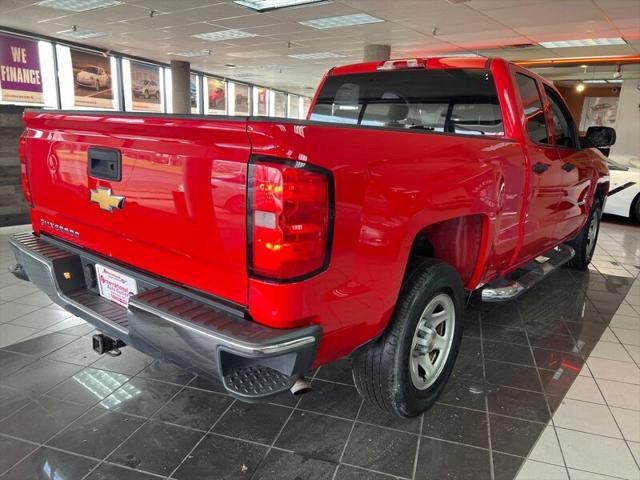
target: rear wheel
584 243
405 371
635 209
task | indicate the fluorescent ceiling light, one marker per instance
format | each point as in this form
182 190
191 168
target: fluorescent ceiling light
224 35
78 5
273 67
81 33
341 21
594 81
587 42
315 56
192 53
265 5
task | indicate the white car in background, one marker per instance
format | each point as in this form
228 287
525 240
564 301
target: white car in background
146 89
624 191
94 77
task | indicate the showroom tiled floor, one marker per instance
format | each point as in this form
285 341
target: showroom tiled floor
547 387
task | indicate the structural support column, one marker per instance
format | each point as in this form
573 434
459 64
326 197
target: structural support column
180 86
376 53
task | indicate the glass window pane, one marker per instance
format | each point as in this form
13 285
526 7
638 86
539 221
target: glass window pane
562 121
532 104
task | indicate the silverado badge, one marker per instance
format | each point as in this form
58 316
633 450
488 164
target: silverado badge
103 197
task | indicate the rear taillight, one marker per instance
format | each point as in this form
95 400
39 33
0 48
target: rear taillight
24 168
289 219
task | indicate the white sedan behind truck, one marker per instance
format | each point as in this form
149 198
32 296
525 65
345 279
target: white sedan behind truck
624 191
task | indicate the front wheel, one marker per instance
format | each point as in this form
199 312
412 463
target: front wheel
584 243
405 370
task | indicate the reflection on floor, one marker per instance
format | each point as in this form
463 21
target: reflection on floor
547 387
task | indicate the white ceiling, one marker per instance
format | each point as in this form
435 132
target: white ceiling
488 27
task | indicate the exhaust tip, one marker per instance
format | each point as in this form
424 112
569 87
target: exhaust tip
301 386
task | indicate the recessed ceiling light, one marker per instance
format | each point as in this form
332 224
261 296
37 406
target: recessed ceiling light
587 42
81 33
192 53
341 21
224 35
315 56
78 5
265 5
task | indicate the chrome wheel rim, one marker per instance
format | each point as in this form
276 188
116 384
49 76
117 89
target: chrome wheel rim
432 341
592 232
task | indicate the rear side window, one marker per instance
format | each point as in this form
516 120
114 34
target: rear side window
532 104
462 101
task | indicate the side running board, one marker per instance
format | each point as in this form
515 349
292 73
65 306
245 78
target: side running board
503 289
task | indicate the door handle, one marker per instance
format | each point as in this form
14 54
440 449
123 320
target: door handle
567 167
540 167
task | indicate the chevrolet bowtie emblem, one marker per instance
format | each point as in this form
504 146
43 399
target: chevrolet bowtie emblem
103 197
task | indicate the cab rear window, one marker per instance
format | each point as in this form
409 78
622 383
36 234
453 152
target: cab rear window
462 101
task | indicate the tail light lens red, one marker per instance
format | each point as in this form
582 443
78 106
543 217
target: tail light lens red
24 168
290 219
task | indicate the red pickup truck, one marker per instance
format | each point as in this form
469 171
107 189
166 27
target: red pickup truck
253 249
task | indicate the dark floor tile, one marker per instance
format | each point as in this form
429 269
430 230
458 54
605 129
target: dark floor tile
285 399
346 472
504 334
518 403
167 372
46 463
221 458
586 330
88 386
510 435
468 368
205 384
194 408
332 399
381 449
553 341
13 451
438 459
538 330
314 435
279 465
12 362
112 472
11 400
96 433
41 418
156 448
471 327
471 346
506 467
505 314
140 396
456 424
514 376
79 352
337 371
41 375
41 346
553 359
254 422
507 352
129 362
557 382
462 393
371 414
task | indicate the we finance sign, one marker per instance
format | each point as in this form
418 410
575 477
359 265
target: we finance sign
20 74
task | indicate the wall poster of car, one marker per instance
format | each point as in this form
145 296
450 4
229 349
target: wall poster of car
599 112
242 99
279 104
92 80
216 94
146 94
261 101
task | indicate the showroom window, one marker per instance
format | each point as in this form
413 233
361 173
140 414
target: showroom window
532 105
562 121
461 101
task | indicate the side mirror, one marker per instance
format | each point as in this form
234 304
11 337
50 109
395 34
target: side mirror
600 137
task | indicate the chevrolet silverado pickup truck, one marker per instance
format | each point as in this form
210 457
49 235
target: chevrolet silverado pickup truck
251 250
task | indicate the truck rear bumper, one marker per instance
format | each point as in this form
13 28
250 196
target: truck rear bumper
165 321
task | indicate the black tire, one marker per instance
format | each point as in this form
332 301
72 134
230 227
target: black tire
635 209
584 244
381 370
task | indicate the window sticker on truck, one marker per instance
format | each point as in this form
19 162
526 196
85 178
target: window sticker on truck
115 286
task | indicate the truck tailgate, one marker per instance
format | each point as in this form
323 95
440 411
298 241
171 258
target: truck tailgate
182 215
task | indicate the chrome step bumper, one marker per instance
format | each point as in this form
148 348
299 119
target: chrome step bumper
504 289
214 340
